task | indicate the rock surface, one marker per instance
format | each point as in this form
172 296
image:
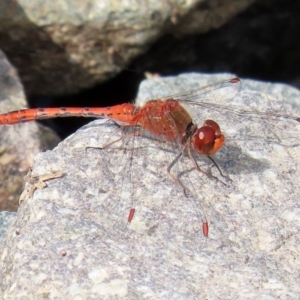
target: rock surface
6 218
71 240
18 144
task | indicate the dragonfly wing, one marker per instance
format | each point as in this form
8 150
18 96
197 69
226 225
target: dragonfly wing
220 92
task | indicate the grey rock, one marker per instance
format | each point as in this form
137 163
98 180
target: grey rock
6 218
18 144
71 239
62 47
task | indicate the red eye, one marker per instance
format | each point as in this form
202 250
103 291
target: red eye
208 139
214 126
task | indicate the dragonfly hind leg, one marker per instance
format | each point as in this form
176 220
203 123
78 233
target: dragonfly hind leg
123 137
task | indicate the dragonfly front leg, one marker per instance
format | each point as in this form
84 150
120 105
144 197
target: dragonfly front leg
206 173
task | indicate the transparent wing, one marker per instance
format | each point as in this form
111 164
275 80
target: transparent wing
222 91
219 97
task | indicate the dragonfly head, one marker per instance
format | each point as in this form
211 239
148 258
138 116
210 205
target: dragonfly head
208 139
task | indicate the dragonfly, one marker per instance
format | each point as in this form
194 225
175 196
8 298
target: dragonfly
165 118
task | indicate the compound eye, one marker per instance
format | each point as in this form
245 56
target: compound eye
204 140
214 125
208 139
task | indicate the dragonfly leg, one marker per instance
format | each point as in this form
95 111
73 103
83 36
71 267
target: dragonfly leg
135 133
176 178
219 169
206 173
123 137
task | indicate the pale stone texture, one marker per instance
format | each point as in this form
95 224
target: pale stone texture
6 218
71 239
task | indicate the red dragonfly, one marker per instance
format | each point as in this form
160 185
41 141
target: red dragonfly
165 118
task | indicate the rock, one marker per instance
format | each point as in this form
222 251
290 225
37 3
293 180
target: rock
71 239
61 47
6 218
18 144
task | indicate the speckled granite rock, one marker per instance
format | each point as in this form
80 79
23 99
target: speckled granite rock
5 220
71 241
